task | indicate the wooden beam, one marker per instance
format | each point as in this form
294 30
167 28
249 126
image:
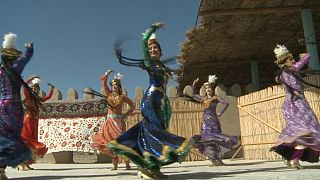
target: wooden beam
246 11
259 119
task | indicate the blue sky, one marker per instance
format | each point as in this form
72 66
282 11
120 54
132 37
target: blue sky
74 39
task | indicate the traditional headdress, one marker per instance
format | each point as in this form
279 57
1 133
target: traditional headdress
9 48
35 81
117 78
211 80
282 54
153 40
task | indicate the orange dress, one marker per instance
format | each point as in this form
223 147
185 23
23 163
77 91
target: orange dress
115 125
30 125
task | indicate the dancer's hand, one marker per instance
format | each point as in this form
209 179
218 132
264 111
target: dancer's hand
159 25
28 45
297 96
302 55
195 81
108 72
51 85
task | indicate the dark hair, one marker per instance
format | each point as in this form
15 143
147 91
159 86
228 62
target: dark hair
154 41
117 81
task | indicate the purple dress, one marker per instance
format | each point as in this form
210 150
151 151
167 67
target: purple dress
13 150
302 126
212 142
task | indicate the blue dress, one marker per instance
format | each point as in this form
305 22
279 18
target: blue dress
148 144
13 150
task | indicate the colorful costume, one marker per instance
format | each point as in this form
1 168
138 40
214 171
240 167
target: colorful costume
30 124
115 125
212 142
13 150
300 139
148 144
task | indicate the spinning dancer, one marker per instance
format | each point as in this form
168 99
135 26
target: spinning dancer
115 125
31 121
212 142
300 139
148 144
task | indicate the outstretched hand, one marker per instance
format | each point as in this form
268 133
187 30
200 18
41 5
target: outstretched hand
51 85
302 55
109 72
159 25
28 44
195 81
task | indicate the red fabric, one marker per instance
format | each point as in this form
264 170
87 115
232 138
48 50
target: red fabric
30 125
30 135
112 128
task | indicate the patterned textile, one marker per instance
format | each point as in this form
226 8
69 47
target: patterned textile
111 129
69 134
302 126
70 110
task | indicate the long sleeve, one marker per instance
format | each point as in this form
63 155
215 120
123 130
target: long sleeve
145 37
25 91
49 95
298 65
23 60
224 103
196 96
104 85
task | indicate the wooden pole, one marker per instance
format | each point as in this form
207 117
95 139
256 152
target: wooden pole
257 118
234 155
263 100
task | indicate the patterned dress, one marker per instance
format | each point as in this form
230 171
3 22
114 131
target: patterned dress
212 142
302 126
13 150
30 125
115 125
148 144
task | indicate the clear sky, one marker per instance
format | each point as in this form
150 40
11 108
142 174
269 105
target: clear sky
74 39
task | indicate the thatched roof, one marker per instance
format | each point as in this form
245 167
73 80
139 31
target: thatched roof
231 34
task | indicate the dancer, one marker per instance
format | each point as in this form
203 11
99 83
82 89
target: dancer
148 144
114 126
300 139
13 150
31 120
212 142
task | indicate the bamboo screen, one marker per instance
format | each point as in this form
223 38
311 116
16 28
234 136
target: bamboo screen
261 118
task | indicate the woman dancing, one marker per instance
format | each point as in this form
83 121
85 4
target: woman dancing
13 150
115 125
31 121
148 144
300 138
212 142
